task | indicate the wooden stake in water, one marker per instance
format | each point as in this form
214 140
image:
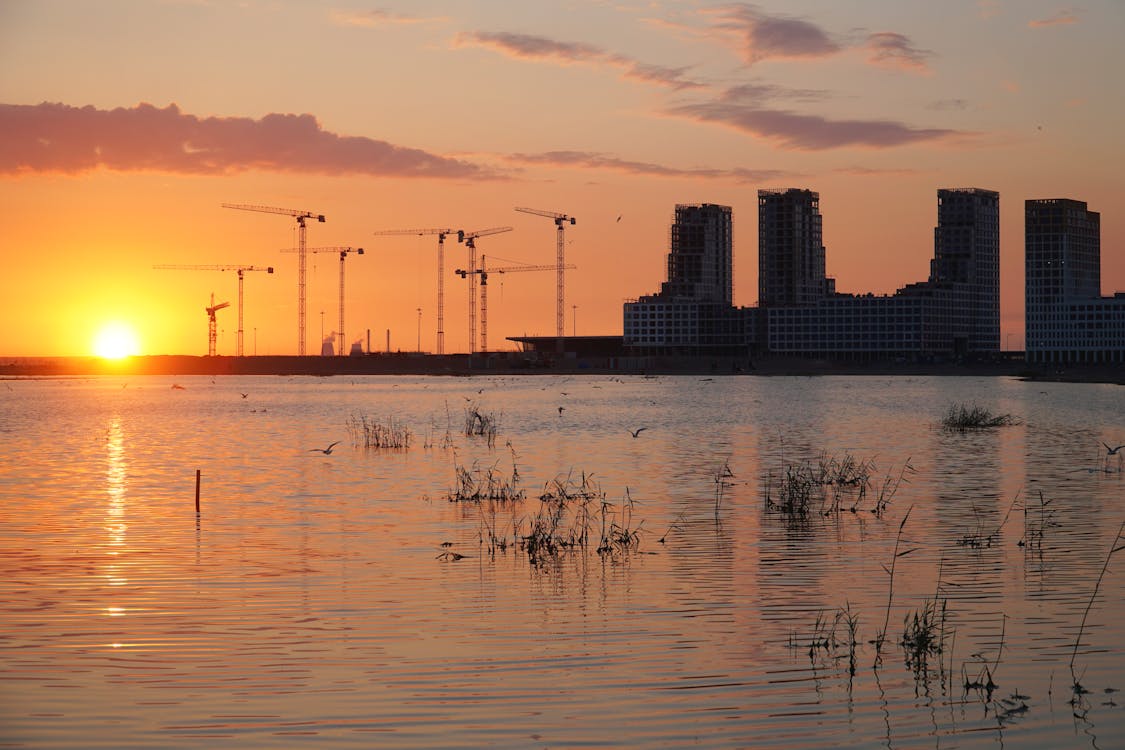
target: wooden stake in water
197 492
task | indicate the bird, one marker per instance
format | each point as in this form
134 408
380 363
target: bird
619 218
561 410
244 395
1111 451
637 431
325 451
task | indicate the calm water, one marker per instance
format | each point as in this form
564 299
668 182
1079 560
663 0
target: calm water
311 601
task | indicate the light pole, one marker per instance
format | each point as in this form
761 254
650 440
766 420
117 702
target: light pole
255 341
419 349
574 320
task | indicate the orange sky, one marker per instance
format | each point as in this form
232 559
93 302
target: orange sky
127 124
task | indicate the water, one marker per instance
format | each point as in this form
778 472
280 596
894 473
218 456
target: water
310 600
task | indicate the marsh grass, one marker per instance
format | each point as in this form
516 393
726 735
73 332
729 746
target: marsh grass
1036 521
474 484
366 432
829 485
834 639
963 417
1114 548
481 424
985 536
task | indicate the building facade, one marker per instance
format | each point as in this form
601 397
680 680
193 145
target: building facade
790 249
1067 320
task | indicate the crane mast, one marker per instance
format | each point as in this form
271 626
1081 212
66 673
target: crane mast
343 251
560 282
469 238
222 267
483 273
211 324
441 235
302 258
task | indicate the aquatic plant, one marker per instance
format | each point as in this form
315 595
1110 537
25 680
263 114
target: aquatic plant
881 636
1114 548
924 634
961 418
825 640
475 484
481 424
796 490
984 536
366 432
1036 521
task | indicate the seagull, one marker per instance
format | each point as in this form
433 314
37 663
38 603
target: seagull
561 410
637 431
619 218
1112 451
325 451
244 395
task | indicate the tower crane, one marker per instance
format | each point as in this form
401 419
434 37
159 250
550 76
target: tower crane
302 259
441 235
560 247
211 323
483 273
343 251
469 238
223 267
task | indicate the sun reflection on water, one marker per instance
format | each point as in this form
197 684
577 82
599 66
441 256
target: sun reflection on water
116 484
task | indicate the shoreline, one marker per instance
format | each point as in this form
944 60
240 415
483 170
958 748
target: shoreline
459 365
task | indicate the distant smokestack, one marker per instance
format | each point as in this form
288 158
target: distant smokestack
368 340
388 341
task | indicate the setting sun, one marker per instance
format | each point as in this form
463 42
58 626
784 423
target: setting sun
116 340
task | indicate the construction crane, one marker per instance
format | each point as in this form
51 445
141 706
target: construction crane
302 258
560 263
343 251
469 238
211 335
483 273
224 267
441 235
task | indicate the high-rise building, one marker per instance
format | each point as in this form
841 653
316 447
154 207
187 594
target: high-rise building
701 255
967 262
790 249
694 313
1067 320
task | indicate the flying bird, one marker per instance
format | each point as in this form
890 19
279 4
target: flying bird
561 410
637 431
244 395
326 451
1111 451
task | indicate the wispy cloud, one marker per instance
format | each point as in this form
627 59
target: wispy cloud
858 171
377 18
540 48
595 160
893 50
64 139
1061 17
804 132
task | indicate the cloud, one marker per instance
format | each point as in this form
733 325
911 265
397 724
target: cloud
1061 17
804 132
858 171
532 47
762 36
595 160
892 50
372 19
949 104
64 139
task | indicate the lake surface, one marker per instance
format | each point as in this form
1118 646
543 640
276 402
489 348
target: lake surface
312 599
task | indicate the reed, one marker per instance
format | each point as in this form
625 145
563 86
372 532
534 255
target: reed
881 636
476 484
366 432
481 424
963 417
1114 548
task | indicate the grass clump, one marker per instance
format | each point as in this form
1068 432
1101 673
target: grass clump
475 485
481 424
366 432
963 417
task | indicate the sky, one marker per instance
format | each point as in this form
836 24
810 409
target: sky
126 124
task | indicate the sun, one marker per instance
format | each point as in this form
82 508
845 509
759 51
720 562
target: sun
115 341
